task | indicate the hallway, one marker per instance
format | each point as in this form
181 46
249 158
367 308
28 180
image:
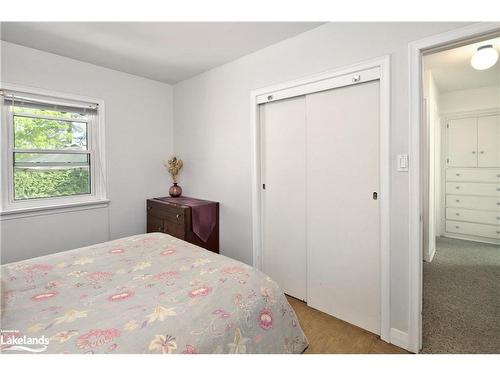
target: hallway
461 302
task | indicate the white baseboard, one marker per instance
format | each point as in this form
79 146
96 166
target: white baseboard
399 338
431 256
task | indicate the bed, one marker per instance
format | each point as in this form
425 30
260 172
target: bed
149 293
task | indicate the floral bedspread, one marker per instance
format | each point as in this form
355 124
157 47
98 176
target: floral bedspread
148 293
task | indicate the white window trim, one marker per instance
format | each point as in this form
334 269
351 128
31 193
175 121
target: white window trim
10 209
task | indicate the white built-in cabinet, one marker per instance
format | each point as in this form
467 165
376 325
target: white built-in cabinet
473 142
472 178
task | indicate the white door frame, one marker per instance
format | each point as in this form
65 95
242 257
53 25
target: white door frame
415 50
383 64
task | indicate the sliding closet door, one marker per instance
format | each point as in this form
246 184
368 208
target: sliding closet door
343 234
284 212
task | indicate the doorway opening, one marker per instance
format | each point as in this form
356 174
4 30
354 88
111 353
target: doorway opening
460 197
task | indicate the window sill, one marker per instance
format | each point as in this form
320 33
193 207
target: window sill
18 213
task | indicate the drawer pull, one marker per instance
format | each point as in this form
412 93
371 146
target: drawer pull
458 174
457 187
498 231
149 207
474 152
458 201
482 152
498 203
178 216
457 227
160 229
457 214
498 217
498 175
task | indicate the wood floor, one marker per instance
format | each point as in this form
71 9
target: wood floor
329 335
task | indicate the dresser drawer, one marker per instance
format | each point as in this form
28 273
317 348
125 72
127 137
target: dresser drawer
473 229
171 213
473 188
156 224
473 175
475 216
174 229
472 202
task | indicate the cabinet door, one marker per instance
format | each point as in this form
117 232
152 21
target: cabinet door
488 138
462 142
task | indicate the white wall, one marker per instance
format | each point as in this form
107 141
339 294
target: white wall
138 138
470 100
212 127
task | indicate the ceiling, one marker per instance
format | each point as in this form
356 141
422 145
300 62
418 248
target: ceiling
452 71
164 51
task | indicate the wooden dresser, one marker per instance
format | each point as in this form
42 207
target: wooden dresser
174 216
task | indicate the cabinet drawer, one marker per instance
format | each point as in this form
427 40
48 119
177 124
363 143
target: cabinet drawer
472 202
476 216
473 175
473 188
473 229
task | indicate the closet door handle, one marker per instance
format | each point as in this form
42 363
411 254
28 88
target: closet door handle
481 152
474 152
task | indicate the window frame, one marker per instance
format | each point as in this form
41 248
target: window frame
12 208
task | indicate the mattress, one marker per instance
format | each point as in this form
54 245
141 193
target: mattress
149 293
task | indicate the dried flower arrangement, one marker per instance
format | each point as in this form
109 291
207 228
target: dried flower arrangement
174 166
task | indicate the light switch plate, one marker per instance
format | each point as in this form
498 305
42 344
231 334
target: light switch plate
402 161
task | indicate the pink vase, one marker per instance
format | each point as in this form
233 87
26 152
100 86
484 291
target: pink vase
175 190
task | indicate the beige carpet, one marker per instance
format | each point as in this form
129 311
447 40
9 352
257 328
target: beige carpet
461 307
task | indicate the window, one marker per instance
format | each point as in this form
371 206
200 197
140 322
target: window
51 152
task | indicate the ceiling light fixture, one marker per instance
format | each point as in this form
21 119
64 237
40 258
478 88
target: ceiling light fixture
484 58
